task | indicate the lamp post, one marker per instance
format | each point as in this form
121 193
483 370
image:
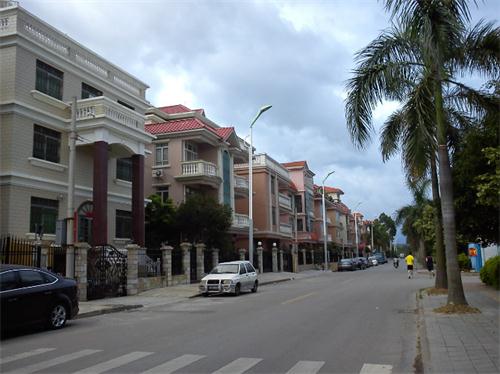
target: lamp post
324 218
356 228
250 185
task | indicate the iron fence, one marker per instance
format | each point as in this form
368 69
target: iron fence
177 267
150 263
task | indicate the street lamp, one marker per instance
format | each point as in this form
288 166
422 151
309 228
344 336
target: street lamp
250 182
324 218
356 228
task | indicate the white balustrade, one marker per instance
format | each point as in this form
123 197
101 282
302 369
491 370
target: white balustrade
102 107
199 167
285 201
285 228
240 182
240 220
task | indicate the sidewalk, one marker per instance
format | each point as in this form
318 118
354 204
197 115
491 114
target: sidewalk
462 343
171 295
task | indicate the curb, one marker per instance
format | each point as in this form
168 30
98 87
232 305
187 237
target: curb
112 309
423 348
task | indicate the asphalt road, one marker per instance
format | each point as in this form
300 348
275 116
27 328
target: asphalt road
349 322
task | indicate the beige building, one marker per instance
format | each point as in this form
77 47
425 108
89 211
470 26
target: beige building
41 71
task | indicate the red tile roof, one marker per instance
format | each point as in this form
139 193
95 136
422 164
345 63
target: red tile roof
173 109
294 163
333 190
186 124
225 132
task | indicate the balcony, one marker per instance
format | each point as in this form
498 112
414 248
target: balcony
285 201
286 229
306 236
90 110
241 186
199 172
240 221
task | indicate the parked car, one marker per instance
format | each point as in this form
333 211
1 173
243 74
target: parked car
373 260
230 277
381 258
360 264
346 264
34 296
367 263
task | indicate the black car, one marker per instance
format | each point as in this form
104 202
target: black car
346 264
31 296
358 263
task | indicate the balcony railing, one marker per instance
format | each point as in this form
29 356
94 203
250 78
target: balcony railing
199 168
286 228
102 107
240 182
240 220
285 201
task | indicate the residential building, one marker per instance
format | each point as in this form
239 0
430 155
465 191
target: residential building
192 154
42 70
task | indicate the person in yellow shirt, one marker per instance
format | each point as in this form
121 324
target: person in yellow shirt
410 260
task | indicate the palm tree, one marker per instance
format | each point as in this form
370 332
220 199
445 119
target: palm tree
429 43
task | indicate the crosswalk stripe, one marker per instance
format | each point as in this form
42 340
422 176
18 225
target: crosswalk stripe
376 369
238 366
173 365
53 362
306 367
20 356
114 363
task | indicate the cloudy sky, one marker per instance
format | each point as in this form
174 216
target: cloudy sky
232 57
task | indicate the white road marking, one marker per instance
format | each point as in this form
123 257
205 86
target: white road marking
306 367
376 369
238 366
299 298
114 363
173 365
20 356
56 361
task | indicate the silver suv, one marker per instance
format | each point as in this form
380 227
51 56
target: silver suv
230 277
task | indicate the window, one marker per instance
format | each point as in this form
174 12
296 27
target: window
273 183
161 154
31 278
163 193
274 215
49 80
298 203
124 169
242 269
89 91
123 224
188 192
125 105
44 212
46 144
250 268
300 225
8 281
190 151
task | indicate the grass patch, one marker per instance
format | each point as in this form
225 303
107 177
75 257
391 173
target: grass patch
457 309
436 291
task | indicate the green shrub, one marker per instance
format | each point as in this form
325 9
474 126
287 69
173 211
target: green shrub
464 262
490 273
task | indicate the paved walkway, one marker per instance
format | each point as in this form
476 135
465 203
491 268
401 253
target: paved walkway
462 343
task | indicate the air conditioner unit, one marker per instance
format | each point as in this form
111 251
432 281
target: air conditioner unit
157 173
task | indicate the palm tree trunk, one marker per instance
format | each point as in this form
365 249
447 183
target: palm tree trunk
441 278
456 294
421 251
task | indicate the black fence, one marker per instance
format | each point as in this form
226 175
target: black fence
177 268
150 263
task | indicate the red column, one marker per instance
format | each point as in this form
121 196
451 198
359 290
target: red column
138 199
100 194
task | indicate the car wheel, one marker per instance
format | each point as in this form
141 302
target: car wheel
58 316
255 285
237 290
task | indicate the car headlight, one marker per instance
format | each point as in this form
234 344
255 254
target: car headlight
227 281
203 282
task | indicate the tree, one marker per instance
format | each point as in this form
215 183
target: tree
202 219
384 231
430 41
160 221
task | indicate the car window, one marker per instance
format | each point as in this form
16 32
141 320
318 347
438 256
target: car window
250 268
225 269
8 281
32 278
242 269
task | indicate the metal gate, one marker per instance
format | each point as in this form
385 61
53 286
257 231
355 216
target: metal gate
193 267
106 272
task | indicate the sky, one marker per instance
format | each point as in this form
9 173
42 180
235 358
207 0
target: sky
233 57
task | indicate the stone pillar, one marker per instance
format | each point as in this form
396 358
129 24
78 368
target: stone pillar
167 263
215 257
312 256
132 269
100 194
242 254
304 258
260 259
295 259
281 260
200 260
81 250
186 261
275 258
70 260
138 199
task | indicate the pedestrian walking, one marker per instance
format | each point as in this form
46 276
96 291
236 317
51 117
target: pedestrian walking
410 260
429 262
